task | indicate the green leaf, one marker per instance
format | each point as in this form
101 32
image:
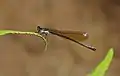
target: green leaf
5 32
101 69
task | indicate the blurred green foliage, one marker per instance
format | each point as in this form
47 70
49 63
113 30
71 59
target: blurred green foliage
101 69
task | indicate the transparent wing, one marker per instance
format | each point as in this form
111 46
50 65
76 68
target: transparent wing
74 35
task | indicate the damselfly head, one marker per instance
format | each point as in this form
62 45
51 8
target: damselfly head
39 28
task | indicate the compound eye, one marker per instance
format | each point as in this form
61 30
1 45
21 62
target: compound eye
38 28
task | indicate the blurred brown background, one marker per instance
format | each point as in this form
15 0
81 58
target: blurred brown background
22 55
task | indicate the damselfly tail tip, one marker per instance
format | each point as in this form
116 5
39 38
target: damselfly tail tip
90 47
93 48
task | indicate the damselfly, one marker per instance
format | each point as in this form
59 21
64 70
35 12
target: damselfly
75 36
